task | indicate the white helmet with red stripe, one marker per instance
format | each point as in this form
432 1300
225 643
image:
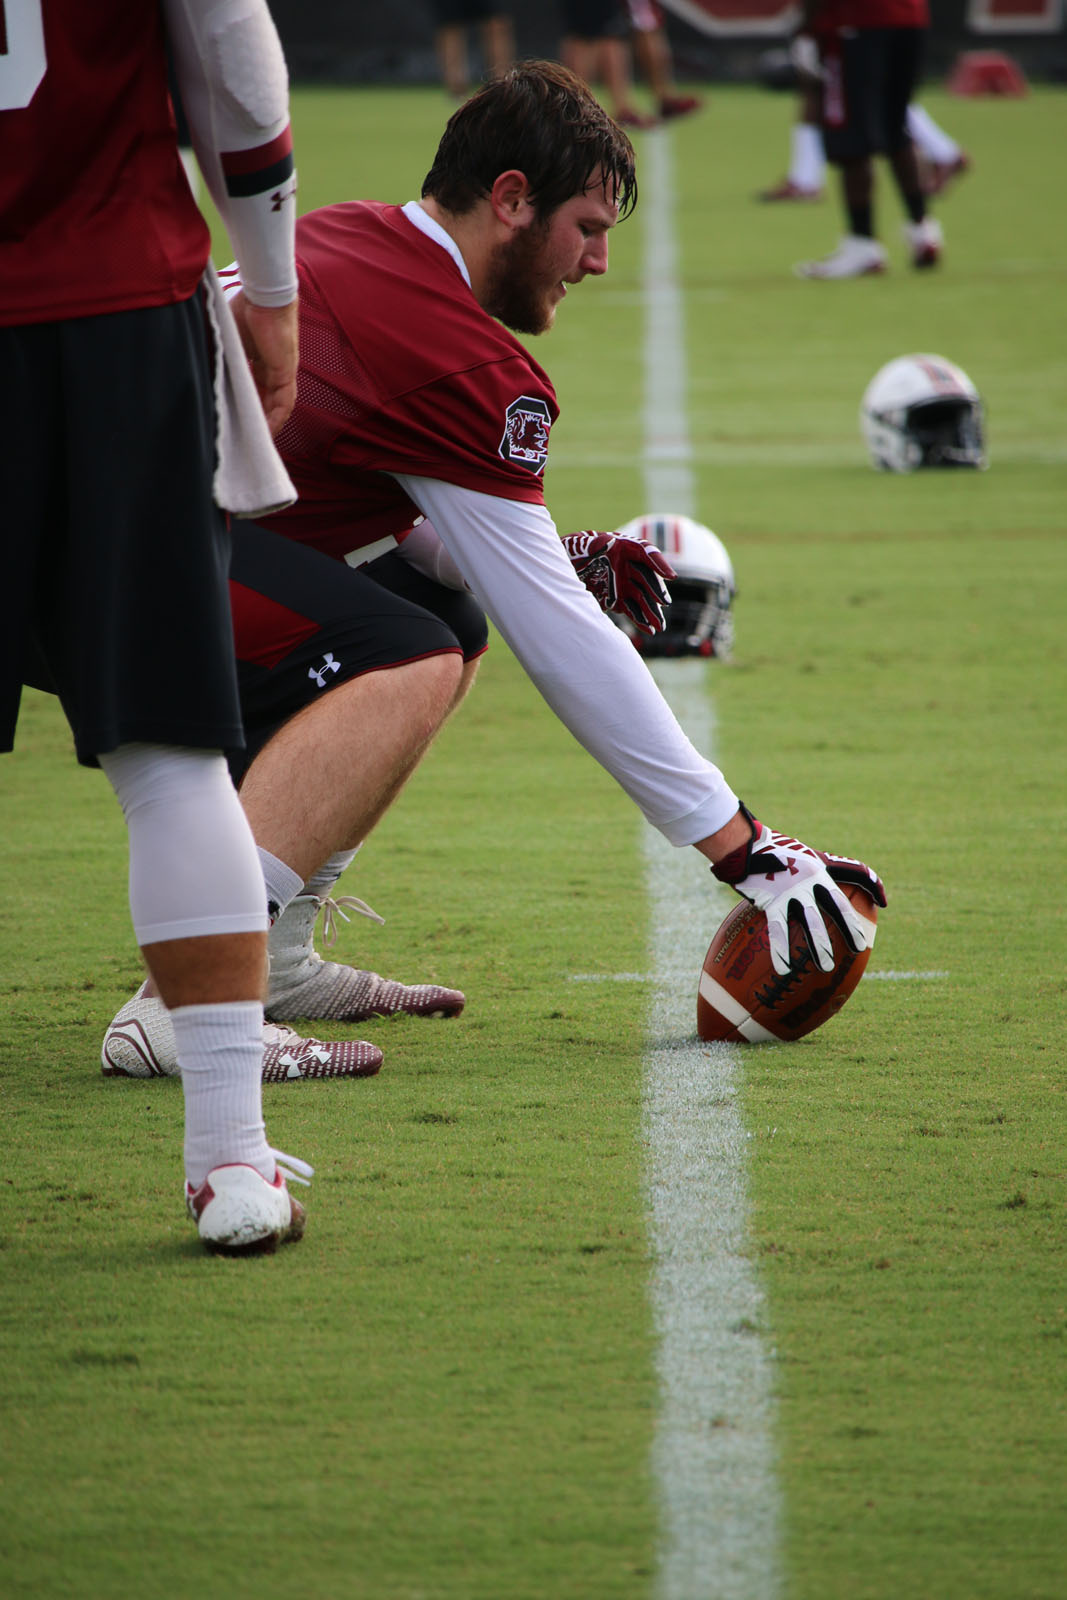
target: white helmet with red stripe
699 620
923 411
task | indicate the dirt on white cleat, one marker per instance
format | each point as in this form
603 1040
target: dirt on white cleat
237 1212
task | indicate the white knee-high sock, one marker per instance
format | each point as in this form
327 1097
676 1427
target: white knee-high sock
220 1053
807 166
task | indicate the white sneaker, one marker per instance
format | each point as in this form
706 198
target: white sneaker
855 257
236 1210
925 240
302 984
140 1044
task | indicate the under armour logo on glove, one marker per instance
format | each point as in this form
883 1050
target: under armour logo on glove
785 878
623 574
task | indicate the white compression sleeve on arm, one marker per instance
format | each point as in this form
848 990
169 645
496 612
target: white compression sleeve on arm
234 86
583 665
194 869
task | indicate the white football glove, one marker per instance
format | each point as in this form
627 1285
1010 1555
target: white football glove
805 59
785 878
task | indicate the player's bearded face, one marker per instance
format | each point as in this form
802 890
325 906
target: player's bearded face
522 281
528 273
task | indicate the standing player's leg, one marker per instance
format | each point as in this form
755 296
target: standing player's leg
498 41
941 157
807 158
853 65
127 608
903 64
655 59
301 982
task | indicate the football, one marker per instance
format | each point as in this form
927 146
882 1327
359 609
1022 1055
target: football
741 997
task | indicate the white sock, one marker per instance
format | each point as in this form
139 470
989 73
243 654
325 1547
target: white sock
322 881
282 882
220 1054
807 166
933 142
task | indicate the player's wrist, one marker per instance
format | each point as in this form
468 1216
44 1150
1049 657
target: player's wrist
728 848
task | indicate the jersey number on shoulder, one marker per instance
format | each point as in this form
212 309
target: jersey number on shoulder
22 61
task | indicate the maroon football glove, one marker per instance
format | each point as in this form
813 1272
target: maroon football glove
787 879
623 574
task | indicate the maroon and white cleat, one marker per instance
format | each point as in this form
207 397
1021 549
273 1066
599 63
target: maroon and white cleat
140 1043
303 984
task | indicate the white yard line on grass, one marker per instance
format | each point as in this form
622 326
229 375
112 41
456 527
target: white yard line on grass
713 1452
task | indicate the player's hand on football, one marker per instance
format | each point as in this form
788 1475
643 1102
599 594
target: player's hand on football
623 574
787 879
271 342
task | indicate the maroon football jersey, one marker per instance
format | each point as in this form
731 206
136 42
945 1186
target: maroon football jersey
400 371
96 214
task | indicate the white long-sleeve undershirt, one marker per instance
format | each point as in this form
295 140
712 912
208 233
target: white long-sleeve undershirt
585 667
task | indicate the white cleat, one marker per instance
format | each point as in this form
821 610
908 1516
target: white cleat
237 1211
302 984
140 1044
925 241
855 257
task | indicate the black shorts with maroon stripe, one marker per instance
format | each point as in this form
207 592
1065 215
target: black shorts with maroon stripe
870 76
305 623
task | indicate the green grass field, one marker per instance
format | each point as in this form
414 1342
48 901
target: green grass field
447 1392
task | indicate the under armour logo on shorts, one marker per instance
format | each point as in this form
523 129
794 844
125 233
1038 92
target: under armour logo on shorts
319 673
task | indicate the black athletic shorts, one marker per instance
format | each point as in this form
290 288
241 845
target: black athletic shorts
447 13
114 555
596 19
870 78
304 623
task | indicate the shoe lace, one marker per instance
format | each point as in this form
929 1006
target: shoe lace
280 1034
332 909
292 1167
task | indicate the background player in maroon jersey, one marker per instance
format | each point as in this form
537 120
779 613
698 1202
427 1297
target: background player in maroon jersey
415 401
115 552
870 54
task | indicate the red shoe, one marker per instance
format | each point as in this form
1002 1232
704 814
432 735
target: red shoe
678 105
926 242
937 175
629 118
788 190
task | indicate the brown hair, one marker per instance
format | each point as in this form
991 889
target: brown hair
541 120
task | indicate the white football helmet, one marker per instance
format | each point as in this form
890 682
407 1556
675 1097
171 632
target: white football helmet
923 411
699 621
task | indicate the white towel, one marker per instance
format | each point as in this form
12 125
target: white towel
250 478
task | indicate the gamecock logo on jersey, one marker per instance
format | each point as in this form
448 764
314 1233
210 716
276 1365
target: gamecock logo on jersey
525 440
